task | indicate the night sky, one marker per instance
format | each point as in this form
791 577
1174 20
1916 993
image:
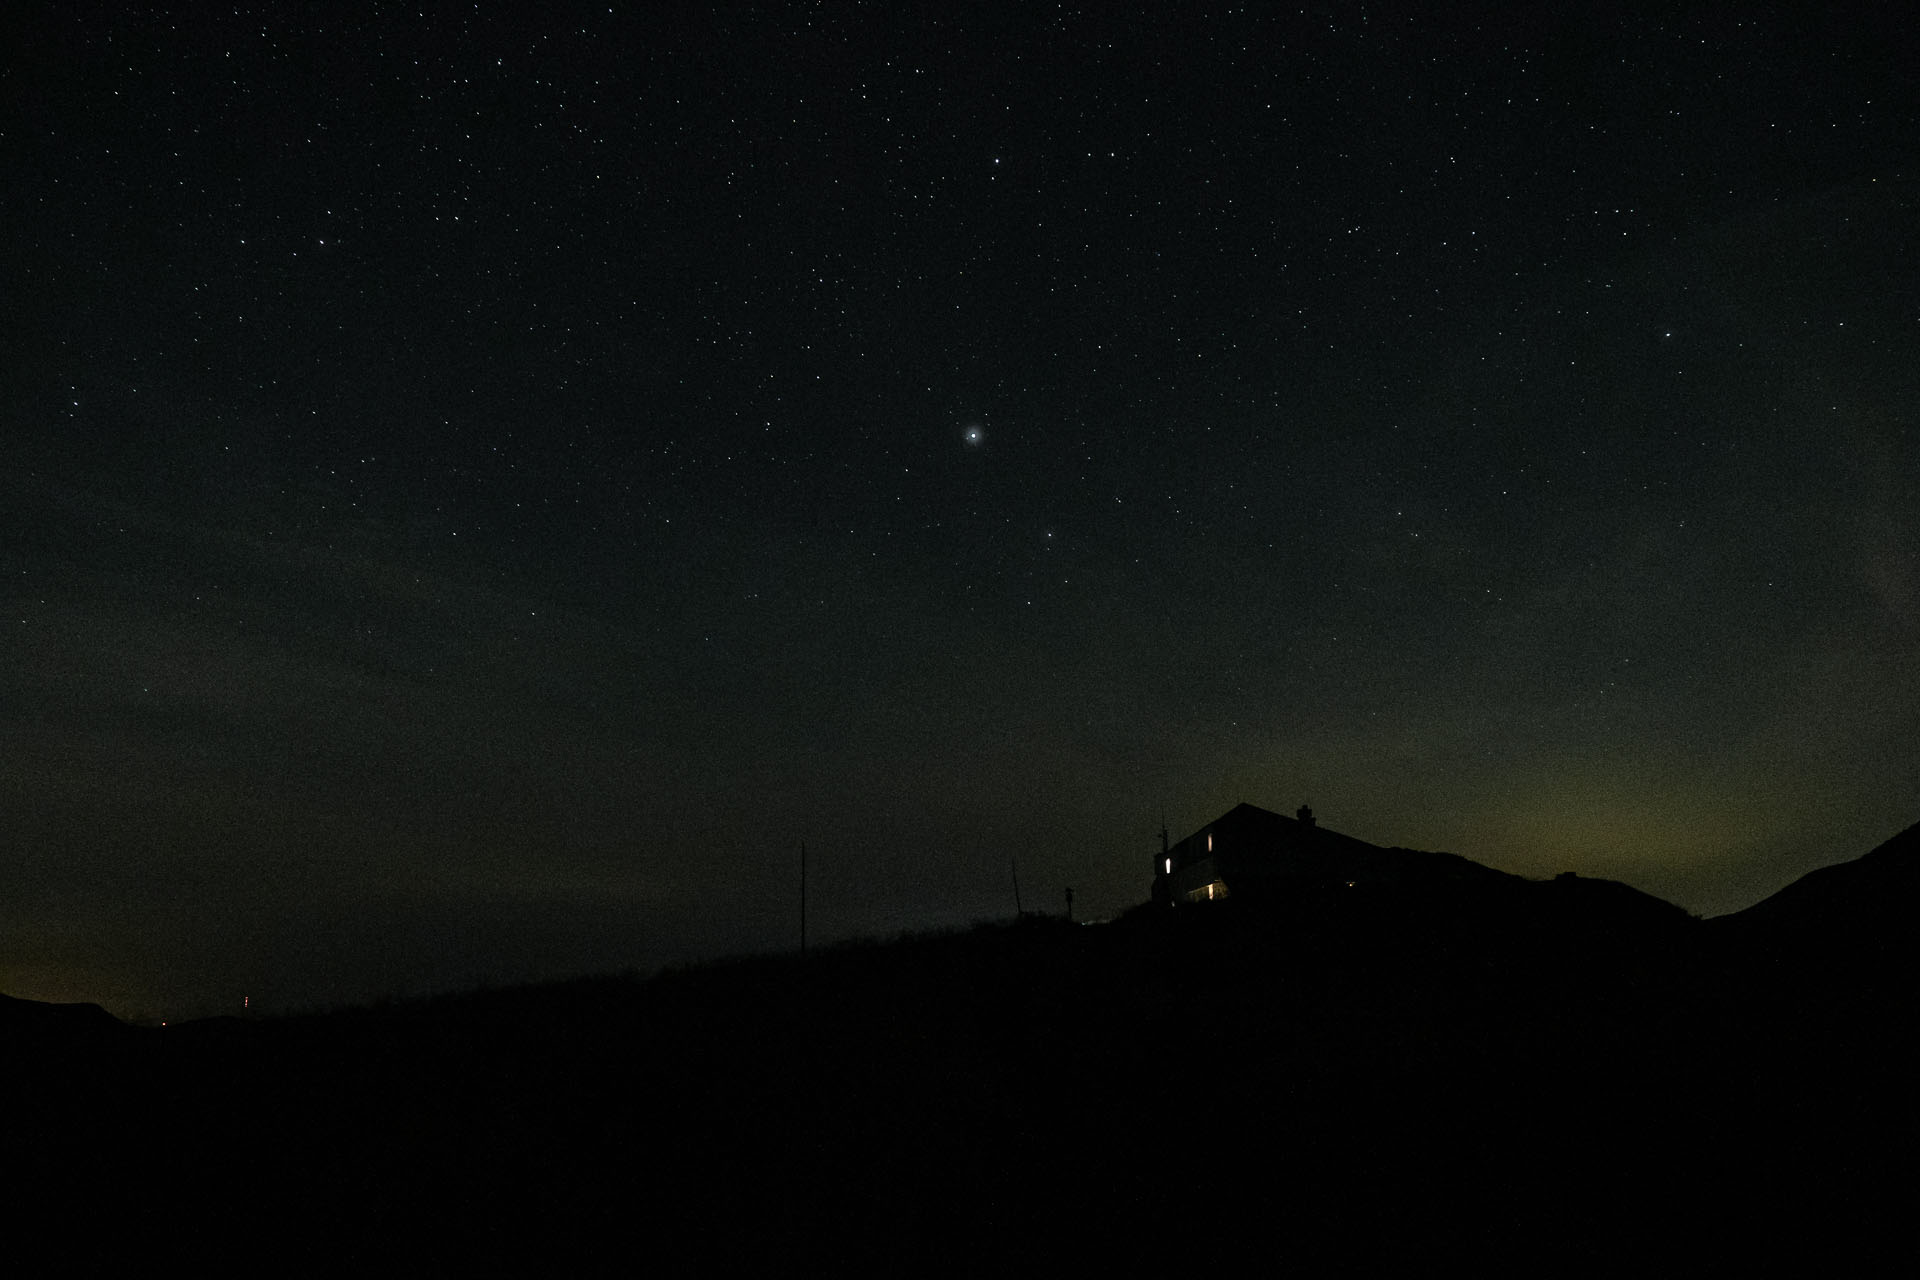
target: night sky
483 483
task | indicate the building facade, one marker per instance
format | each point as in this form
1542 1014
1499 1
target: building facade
1249 852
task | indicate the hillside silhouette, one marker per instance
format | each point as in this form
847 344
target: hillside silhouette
1474 1067
1856 907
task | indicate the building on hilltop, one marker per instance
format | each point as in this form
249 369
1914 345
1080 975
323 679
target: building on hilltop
1253 852
1246 840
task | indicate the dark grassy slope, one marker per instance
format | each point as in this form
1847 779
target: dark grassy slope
1830 962
1525 1071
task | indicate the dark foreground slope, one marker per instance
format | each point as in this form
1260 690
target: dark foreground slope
1831 960
1537 1077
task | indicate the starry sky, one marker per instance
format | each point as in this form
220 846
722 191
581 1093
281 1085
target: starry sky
483 483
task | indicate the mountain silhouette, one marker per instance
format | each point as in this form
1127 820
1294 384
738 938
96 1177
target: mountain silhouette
1863 906
1819 977
25 1022
1547 1074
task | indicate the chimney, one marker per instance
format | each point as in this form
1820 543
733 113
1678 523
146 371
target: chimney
1305 816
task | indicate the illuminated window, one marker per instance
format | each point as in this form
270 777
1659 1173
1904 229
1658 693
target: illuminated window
1209 842
1169 866
1213 891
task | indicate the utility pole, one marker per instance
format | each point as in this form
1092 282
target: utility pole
1069 904
1017 912
803 897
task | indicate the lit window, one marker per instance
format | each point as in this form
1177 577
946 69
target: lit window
1209 842
1169 866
